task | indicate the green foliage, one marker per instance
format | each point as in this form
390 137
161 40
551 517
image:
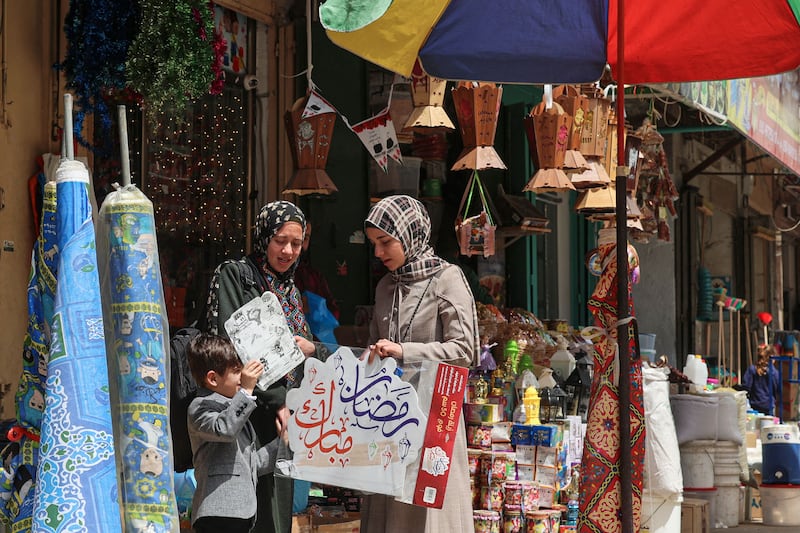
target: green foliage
169 61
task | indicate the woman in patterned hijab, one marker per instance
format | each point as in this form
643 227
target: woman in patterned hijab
424 314
277 242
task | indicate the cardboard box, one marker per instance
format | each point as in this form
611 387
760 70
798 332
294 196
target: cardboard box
753 510
344 523
695 516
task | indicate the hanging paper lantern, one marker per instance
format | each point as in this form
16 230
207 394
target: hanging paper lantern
575 105
310 142
610 159
477 108
427 93
593 131
548 134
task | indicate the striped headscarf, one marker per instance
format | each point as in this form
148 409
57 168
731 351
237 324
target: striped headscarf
406 219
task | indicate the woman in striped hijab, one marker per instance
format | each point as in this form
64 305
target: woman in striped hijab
424 312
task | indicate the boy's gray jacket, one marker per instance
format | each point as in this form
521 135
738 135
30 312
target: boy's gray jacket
227 456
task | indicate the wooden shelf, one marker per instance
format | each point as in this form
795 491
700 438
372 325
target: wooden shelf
511 234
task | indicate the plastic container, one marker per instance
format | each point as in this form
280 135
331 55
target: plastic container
697 464
780 463
728 504
710 495
647 341
661 514
650 355
779 504
726 464
398 179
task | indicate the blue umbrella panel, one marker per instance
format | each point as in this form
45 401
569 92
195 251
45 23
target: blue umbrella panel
76 483
137 335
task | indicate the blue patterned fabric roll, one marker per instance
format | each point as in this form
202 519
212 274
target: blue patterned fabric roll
138 333
76 485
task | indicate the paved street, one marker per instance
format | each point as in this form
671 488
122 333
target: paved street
755 527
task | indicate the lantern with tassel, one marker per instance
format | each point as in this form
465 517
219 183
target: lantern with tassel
310 142
427 93
477 108
548 129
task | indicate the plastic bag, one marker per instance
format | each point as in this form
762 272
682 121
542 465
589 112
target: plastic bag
320 319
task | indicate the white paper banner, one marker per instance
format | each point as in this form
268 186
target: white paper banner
353 425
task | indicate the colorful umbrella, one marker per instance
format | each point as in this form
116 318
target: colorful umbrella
570 41
76 484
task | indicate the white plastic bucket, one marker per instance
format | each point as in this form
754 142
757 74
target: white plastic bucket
661 514
697 464
779 504
728 505
726 464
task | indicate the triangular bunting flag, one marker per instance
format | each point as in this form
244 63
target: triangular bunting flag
316 105
379 137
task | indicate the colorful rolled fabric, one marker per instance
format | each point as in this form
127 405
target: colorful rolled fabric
76 483
137 337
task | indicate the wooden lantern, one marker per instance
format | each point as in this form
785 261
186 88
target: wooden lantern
427 93
592 176
310 142
597 201
477 108
610 159
593 131
548 133
575 105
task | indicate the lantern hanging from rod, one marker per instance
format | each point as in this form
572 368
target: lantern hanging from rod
477 108
593 131
310 142
548 129
427 94
575 105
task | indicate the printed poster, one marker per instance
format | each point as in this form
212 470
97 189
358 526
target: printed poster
258 330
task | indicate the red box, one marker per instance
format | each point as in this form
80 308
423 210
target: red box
440 436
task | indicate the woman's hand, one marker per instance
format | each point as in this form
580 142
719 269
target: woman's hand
281 421
305 345
385 348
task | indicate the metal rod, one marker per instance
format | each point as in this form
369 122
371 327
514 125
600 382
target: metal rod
124 152
70 152
625 466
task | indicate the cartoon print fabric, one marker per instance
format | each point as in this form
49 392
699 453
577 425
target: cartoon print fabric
137 336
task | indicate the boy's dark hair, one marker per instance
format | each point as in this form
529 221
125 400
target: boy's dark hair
211 352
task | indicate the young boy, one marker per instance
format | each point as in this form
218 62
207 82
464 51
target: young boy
227 457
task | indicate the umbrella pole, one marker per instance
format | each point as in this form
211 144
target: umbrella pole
625 477
125 158
70 148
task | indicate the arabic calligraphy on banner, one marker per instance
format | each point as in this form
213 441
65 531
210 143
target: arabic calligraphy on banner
353 425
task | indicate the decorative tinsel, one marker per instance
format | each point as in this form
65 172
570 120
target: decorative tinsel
98 34
171 59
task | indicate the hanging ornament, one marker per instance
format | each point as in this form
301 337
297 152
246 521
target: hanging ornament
378 136
427 93
310 142
548 128
593 131
477 108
